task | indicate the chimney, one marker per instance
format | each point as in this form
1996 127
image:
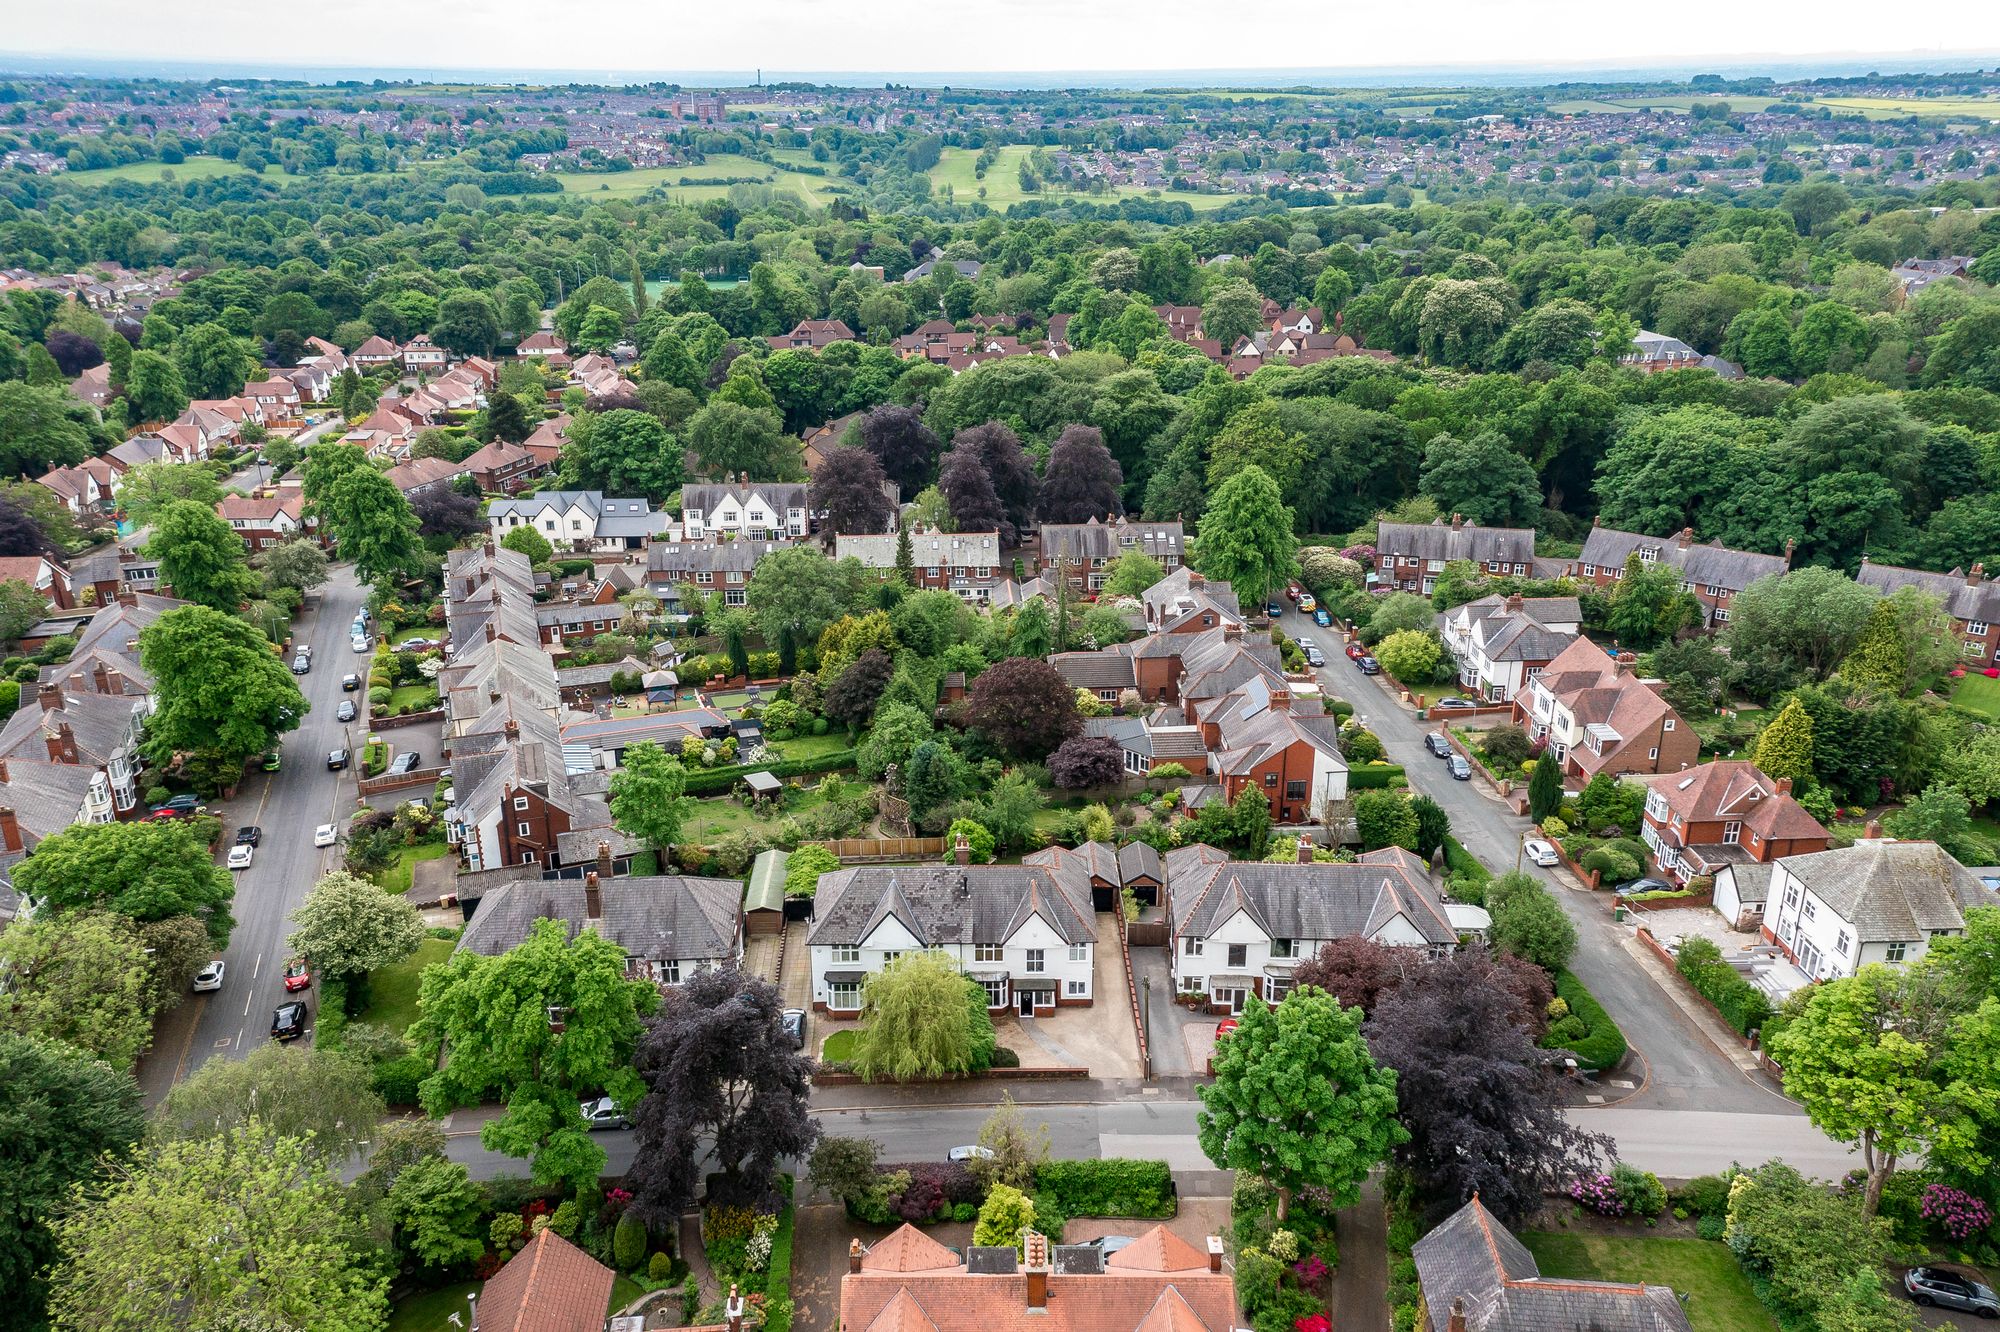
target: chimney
1976 576
1624 662
1596 519
1784 786
1215 1253
491 632
961 851
1305 849
513 729
1232 633
1035 1250
854 1252
127 597
103 675
1514 603
1871 833
3 772
10 829
1457 1323
604 860
1790 546
733 1311
489 548
743 478
593 898
49 695
1457 521
1685 539
1281 700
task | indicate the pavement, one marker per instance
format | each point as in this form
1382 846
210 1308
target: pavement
287 805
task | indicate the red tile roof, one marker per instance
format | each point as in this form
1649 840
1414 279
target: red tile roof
550 1286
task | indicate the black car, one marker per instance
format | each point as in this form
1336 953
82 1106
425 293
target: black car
251 835
336 760
350 682
1647 885
1455 704
1368 665
1437 744
793 1023
184 803
1461 771
345 712
288 1021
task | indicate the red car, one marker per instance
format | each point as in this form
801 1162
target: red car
297 975
1356 651
1224 1027
1291 591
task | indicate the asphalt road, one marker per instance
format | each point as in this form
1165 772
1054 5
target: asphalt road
250 477
287 805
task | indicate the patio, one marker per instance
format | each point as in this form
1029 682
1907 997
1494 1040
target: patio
1763 964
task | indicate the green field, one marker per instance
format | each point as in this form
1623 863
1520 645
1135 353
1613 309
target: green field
151 173
1003 183
729 166
1719 1298
392 990
1880 108
1977 693
1585 105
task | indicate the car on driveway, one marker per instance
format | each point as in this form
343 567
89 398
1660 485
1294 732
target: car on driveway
239 855
963 1154
1540 852
1946 1289
1437 744
603 1113
1646 885
1224 1027
326 834
1110 1244
249 835
405 762
298 976
1273 609
350 682
1455 704
345 712
182 804
416 645
336 759
1461 771
209 978
1367 665
288 1021
793 1023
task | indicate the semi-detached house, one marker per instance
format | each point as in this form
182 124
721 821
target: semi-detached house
1410 557
1879 900
1501 643
965 563
1970 598
579 520
707 566
762 510
1712 573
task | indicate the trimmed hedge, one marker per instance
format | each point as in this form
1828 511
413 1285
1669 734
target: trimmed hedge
778 1277
1603 1045
330 1026
1373 776
1114 1187
714 781
1742 1005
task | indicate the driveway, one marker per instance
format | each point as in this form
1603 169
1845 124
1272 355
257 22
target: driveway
1675 1065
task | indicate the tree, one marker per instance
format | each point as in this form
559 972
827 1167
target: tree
1545 788
325 464
493 1015
851 698
1023 708
1411 655
1131 574
153 389
1246 537
446 515
1483 478
1298 1100
1795 626
242 1229
374 524
797 589
299 563
1532 925
507 418
968 490
1943 815
527 541
147 490
214 363
1082 479
21 609
82 979
646 799
847 488
1234 310
1785 745
349 927
201 556
721 1081
1004 1218
1908 640
1016 1151
902 443
148 870
217 686
1648 606
20 534
623 452
1482 1106
1007 468
916 1021
1385 818
1433 825
1357 971
467 324
323 1099
844 1167
1087 760
730 438
436 1209
73 352
66 1119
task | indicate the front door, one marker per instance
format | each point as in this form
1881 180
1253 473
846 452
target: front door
1027 998
1231 998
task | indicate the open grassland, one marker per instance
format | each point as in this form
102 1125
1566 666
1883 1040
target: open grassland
152 173
1003 183
1882 108
719 166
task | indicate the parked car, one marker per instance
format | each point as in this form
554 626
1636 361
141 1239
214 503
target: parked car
1274 610
1540 852
1292 591
273 760
1314 657
1307 602
345 712
1368 665
1224 1027
793 1023
971 1154
1437 744
1323 618
336 759
359 643
301 664
249 835
184 803
1356 651
1461 771
298 976
1950 1290
1305 641
326 834
1456 704
288 1021
416 645
350 682
603 1113
209 978
1646 885
404 762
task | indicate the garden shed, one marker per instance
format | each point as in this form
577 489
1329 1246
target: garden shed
763 786
764 902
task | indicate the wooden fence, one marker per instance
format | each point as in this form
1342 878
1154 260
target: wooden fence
886 848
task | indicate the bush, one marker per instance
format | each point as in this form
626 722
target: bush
1705 1195
628 1243
1374 776
1003 1216
660 1268
1611 864
1604 1045
1112 1187
1742 1005
1508 746
1639 1190
396 1079
330 1026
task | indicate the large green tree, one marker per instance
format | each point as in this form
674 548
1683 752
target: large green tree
348 926
646 795
217 686
799 591
322 1098
916 1021
214 363
623 452
80 978
374 524
149 870
201 557
1246 537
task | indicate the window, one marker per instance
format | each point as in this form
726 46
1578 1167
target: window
1079 952
521 830
1810 910
1653 753
1840 943
845 994
527 857
1792 895
667 973
890 956
1732 833
1712 590
1078 989
1270 779
1239 955
1722 616
988 953
996 993
1974 648
1589 571
1037 962
520 802
1283 948
1191 946
1977 628
1669 725
1295 791
847 952
734 598
1895 951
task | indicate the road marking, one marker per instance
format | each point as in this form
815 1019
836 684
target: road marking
256 966
246 1004
239 1038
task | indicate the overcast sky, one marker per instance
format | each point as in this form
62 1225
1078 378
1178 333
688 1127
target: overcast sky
998 35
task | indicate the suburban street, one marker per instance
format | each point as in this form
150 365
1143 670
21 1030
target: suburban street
287 805
254 474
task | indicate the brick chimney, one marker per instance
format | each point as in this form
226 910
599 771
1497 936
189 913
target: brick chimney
1457 1323
604 860
1873 832
62 744
1035 1266
1305 849
491 631
1514 603
10 830
854 1255
593 898
961 851
49 694
1784 785
108 680
513 729
1232 633
1457 521
127 597
1624 662
733 1311
1975 576
1215 1253
1790 546
488 549
3 771
1685 538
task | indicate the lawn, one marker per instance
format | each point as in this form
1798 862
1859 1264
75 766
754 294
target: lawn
839 1047
718 816
719 166
1003 183
400 873
1719 1297
1980 694
432 1310
151 173
392 990
412 698
1882 108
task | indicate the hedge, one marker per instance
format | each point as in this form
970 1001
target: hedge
1742 1005
1604 1045
330 1028
778 1278
1370 776
714 781
1112 1187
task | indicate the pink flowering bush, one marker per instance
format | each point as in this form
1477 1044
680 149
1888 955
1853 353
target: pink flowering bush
1598 1193
1958 1213
1310 1270
1312 1323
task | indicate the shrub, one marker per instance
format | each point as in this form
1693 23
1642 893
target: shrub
1508 746
1003 1216
395 1080
973 832
1958 1213
628 1242
1705 1195
1611 864
1604 1045
1111 1187
1742 1005
1639 1190
660 1268
1597 1192
1374 776
963 1212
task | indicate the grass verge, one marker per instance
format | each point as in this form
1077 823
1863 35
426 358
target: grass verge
392 990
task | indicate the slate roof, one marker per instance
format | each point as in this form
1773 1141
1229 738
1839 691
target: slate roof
1703 565
1472 1258
613 517
1293 901
1889 889
1439 540
1099 540
778 496
652 917
1966 597
952 904
685 559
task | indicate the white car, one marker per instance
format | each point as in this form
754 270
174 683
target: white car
971 1154
326 834
239 855
358 643
1304 641
1541 852
209 977
603 1113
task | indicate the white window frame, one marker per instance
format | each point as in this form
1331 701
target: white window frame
1078 989
849 991
1079 952
847 952
1037 962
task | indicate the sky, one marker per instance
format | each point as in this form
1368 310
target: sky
679 37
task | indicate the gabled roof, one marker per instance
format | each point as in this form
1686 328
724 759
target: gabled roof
1726 790
908 1249
652 917
550 1286
1966 596
1293 901
1439 540
1710 565
943 904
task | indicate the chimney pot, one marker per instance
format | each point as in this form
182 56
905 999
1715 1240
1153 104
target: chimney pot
1873 832
733 1311
1457 521
1513 603
10 829
854 1252
1305 850
1976 576
1790 546
1784 786
1457 1323
603 860
961 850
1215 1253
1035 1252
1685 539
50 695
1624 662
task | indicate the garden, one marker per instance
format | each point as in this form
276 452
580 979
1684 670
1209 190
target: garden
400 683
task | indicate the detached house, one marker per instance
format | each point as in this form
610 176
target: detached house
1597 715
579 520
422 356
1726 812
373 354
669 926
812 334
1714 574
95 731
1025 933
262 522
761 510
503 467
1409 557
542 343
277 399
1879 900
1971 599
1501 643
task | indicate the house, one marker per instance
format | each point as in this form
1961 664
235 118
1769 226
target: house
669 926
1725 812
422 356
549 1286
713 565
93 386
97 731
816 443
375 353
1409 557
1025 933
1598 715
1971 599
1476 1277
277 399
1879 900
1501 643
579 520
1159 1282
542 343
762 510
812 334
967 563
1111 870
969 269
1916 274
1713 573
504 468
424 476
1238 928
85 488
1655 352
1087 550
263 521
1184 602
44 575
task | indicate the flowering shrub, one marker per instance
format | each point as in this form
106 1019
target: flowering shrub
1598 1193
1312 1323
1957 1212
1310 1270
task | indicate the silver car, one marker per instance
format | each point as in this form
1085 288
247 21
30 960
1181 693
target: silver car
209 978
603 1113
1950 1290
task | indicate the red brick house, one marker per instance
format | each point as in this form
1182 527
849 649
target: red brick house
504 467
812 334
1596 714
1726 812
1970 598
1410 556
1713 573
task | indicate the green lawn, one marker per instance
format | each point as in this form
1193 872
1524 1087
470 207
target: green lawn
151 173
392 990
719 166
401 873
1977 693
714 817
839 1047
1003 183
432 1310
1720 1298
412 698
